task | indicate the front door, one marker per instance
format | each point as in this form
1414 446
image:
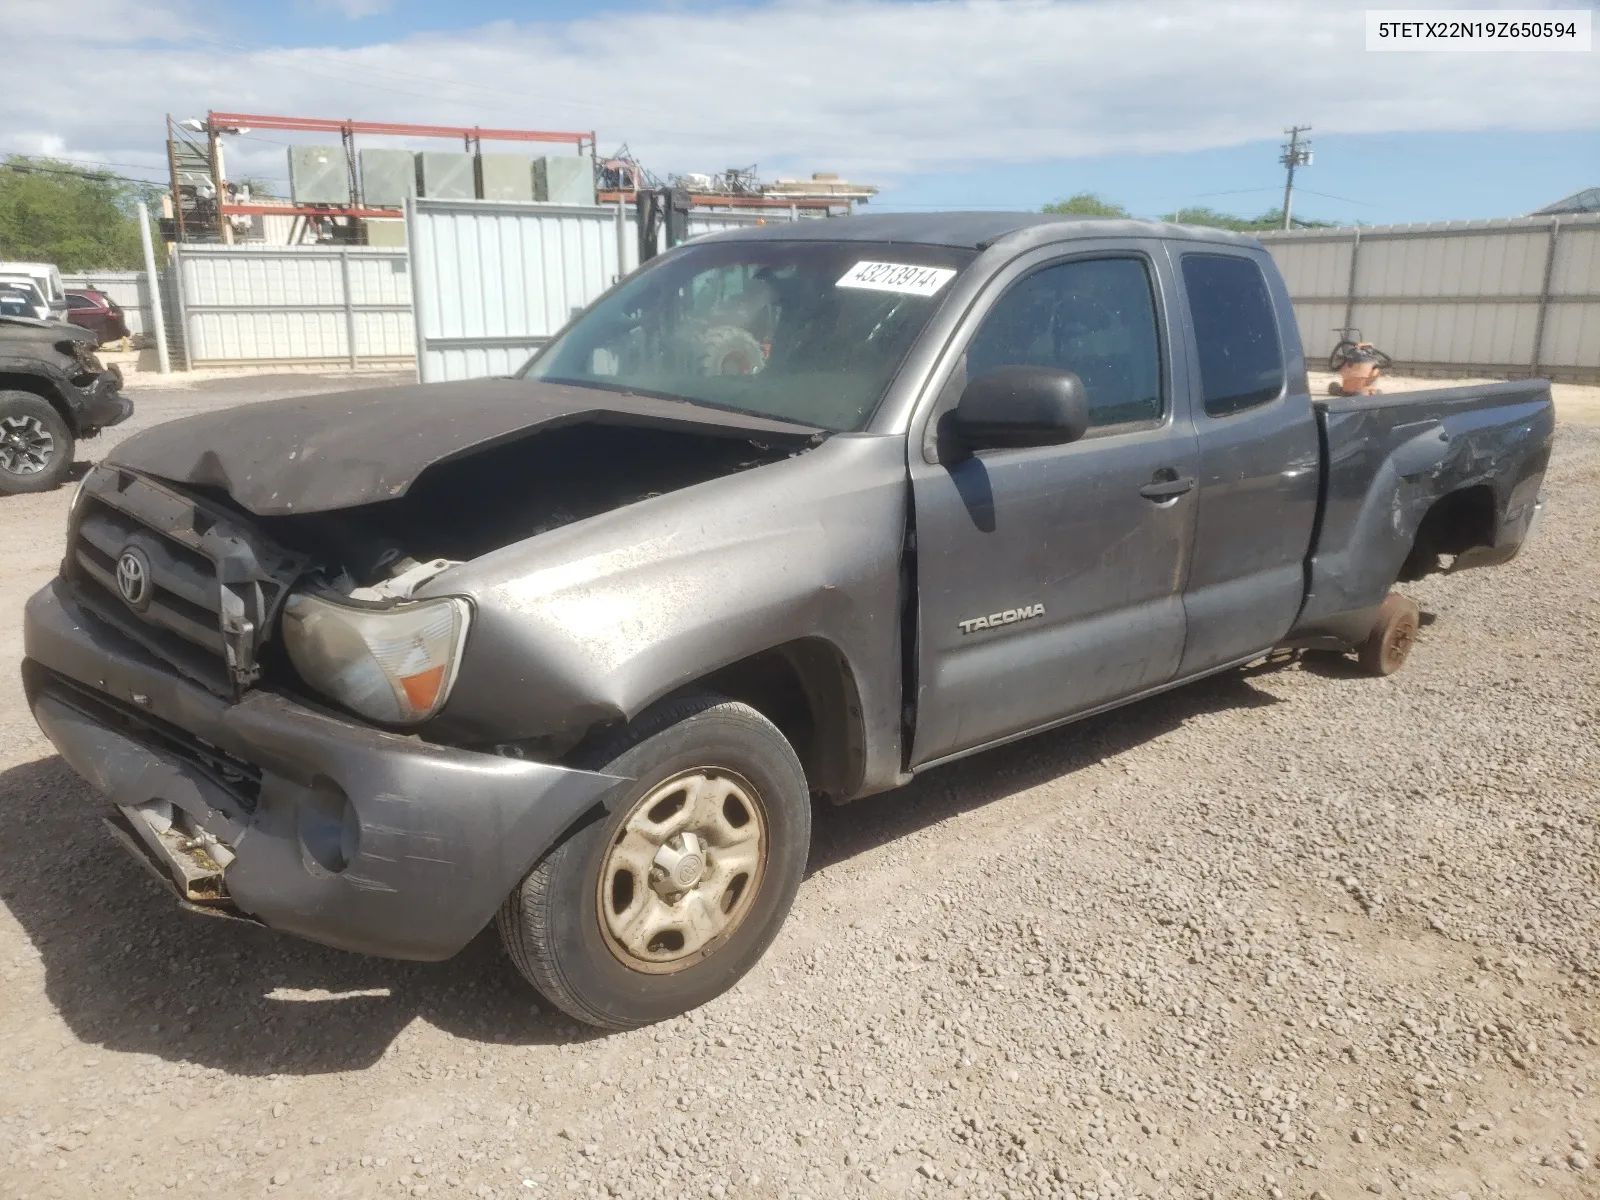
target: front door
1050 579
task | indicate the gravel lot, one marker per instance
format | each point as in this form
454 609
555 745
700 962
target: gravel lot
1285 932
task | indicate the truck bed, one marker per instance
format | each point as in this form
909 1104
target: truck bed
1412 479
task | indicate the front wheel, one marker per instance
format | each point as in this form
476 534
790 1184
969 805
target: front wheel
668 899
35 444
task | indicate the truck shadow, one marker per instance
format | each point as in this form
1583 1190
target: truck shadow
130 972
839 833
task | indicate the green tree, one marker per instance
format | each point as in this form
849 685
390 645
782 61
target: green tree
1271 219
260 189
52 211
1086 204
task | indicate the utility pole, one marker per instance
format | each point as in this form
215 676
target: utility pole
214 160
1296 153
177 186
154 282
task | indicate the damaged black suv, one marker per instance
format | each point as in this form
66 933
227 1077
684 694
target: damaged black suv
53 391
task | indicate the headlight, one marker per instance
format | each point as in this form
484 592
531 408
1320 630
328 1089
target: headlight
394 665
77 496
83 352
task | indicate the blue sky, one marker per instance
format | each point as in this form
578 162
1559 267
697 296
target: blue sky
1367 179
1155 104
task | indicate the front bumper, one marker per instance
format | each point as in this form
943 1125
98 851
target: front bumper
333 831
102 404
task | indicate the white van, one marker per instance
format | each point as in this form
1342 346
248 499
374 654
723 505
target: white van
44 276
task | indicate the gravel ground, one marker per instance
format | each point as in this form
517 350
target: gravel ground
1284 932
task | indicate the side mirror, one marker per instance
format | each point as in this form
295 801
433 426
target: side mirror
1021 406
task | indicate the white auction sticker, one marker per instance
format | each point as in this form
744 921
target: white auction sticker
896 277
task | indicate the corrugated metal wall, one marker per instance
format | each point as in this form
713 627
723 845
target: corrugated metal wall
493 281
1514 297
302 305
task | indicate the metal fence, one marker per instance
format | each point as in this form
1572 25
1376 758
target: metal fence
1509 298
493 281
294 306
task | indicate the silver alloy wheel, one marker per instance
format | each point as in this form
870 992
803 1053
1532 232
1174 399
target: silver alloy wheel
26 446
682 871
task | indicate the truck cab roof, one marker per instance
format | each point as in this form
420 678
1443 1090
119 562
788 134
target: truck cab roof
976 230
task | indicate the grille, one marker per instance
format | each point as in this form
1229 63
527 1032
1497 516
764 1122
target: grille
183 585
185 581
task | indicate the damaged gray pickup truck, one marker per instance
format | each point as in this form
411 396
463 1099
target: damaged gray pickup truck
792 513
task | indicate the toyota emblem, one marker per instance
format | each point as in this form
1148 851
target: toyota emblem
133 577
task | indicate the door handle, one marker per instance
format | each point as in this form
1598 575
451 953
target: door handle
1166 489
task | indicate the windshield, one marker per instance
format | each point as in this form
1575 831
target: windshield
14 303
810 332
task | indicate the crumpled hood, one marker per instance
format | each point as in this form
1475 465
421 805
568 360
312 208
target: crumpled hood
318 453
32 329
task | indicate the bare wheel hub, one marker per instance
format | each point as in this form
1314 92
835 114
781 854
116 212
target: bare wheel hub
682 871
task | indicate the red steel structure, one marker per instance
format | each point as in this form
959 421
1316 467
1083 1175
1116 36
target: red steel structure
468 133
472 137
733 200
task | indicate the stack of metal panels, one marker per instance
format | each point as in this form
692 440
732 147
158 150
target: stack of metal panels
385 233
388 177
505 177
318 175
444 175
564 179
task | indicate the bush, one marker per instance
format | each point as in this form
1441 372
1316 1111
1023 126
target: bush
56 212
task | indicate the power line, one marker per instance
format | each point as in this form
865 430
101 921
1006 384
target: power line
33 168
1343 199
75 160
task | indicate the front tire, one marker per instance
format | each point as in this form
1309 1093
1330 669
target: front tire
36 446
665 901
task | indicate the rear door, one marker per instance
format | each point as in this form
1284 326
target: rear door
1049 579
1259 455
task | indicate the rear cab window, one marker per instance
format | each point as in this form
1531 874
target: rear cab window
1235 332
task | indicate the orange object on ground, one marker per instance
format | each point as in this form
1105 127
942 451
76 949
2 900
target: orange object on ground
1359 378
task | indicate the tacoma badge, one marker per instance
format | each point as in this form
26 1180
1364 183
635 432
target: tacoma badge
1009 617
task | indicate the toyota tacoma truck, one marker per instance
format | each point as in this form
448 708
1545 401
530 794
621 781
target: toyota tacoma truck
790 515
53 391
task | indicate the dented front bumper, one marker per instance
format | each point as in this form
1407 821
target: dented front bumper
316 825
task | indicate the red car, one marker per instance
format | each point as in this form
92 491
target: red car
98 313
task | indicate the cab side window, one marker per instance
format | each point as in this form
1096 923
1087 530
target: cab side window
1241 359
1093 317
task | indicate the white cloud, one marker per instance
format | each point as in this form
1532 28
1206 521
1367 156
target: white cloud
871 88
352 9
